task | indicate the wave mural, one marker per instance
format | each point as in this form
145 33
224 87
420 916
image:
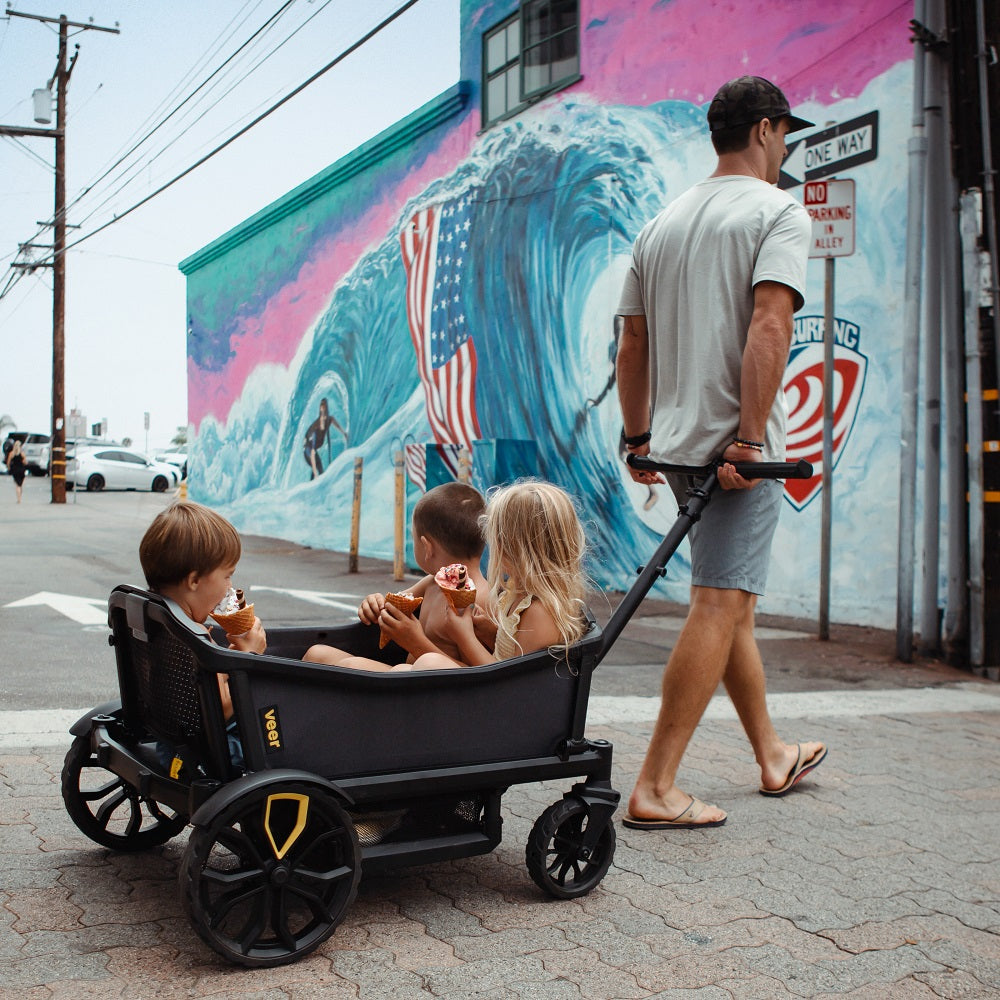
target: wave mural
553 201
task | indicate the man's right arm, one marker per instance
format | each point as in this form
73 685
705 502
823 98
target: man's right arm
765 356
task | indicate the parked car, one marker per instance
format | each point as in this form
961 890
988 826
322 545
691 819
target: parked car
119 469
36 450
174 456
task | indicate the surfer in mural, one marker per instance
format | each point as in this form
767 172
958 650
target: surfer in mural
708 303
318 435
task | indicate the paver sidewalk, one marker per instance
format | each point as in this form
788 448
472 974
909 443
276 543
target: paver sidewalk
878 877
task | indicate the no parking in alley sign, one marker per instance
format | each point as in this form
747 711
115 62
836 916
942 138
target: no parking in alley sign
830 205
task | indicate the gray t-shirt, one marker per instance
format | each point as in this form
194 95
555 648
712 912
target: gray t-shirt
693 271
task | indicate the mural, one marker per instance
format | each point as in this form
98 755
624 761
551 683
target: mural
471 298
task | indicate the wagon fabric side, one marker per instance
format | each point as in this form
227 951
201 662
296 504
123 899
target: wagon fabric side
347 723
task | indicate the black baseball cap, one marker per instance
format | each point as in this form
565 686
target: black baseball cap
747 100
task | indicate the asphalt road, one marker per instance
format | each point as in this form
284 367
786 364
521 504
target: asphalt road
54 651
58 563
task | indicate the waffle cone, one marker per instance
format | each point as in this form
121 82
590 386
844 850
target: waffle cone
459 599
237 622
405 602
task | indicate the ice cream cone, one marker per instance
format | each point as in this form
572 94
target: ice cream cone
460 599
236 622
457 587
405 602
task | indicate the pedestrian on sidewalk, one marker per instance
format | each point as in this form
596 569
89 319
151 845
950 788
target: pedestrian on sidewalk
708 305
17 467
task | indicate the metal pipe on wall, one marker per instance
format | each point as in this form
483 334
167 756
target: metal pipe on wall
970 204
917 162
956 609
989 186
930 623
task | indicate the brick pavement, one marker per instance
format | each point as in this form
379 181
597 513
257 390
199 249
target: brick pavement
877 878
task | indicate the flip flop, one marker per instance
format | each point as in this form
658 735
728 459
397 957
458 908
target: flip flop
800 769
684 820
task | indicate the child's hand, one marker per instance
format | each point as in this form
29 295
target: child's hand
458 625
484 626
403 628
371 607
253 641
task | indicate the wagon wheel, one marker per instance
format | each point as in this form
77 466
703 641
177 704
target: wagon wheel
270 877
556 858
108 809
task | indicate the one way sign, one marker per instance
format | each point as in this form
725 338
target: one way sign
828 152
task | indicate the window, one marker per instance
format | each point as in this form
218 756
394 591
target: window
533 53
502 70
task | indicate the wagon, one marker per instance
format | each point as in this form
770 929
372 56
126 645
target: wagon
341 772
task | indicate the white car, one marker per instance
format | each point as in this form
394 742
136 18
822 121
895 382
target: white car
119 469
174 456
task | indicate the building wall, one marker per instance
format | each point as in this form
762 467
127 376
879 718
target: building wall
319 296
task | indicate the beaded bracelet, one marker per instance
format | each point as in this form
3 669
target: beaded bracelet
744 443
637 440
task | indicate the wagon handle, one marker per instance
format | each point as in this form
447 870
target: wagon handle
698 497
749 470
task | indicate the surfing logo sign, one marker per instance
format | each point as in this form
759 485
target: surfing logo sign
804 393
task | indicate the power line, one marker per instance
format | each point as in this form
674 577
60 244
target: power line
136 168
27 149
190 73
263 28
256 121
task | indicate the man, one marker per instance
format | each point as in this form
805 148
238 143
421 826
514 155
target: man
708 306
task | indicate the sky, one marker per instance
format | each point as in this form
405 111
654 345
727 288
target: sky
125 323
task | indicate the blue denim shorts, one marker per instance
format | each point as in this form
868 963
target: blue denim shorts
731 543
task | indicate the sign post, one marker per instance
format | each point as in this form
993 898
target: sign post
830 205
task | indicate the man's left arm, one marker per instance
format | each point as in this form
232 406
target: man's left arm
632 372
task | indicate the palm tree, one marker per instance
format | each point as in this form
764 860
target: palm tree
181 437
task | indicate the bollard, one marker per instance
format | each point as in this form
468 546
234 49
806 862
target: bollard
352 566
464 465
400 516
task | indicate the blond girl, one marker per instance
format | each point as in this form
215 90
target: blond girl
535 575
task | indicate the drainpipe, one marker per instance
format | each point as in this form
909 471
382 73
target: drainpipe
972 288
917 162
989 187
956 614
930 622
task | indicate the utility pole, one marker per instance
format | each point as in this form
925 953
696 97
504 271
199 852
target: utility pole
57 446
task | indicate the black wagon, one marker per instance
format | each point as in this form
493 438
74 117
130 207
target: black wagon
343 772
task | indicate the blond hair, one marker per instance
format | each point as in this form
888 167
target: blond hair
187 538
536 546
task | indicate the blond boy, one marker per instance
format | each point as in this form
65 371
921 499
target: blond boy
188 555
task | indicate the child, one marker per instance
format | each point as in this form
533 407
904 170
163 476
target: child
188 555
446 530
535 571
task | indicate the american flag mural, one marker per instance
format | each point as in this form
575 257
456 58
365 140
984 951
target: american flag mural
435 246
415 461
